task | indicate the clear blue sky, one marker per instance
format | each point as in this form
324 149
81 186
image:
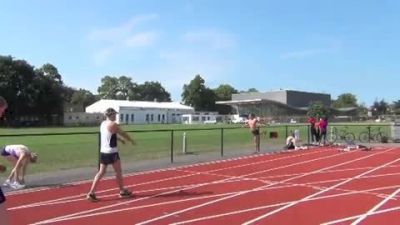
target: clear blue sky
330 46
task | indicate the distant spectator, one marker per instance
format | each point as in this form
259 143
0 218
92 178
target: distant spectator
314 134
290 142
254 125
323 127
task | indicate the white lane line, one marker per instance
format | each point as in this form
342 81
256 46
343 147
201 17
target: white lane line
256 189
219 161
82 196
357 216
318 193
215 182
266 207
199 198
373 209
174 177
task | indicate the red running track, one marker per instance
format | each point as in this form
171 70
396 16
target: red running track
316 186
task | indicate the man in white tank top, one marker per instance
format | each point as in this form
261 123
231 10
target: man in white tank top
109 131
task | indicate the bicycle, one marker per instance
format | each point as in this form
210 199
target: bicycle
342 134
371 135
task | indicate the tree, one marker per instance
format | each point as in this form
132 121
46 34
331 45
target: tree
379 107
121 88
153 91
250 90
17 84
345 100
51 72
395 106
109 87
317 110
30 92
362 109
198 95
224 92
83 97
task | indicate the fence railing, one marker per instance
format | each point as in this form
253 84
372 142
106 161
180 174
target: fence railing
59 151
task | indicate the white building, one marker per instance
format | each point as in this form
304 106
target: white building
142 112
202 117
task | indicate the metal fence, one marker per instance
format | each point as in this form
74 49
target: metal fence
61 151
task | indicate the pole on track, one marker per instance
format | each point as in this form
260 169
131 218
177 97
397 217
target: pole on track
172 146
222 142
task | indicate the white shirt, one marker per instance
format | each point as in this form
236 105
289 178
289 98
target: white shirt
15 150
108 139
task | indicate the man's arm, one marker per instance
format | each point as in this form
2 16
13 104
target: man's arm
114 128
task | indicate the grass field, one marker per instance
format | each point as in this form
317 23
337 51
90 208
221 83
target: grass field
69 150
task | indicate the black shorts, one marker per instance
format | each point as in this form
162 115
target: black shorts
255 132
2 197
109 158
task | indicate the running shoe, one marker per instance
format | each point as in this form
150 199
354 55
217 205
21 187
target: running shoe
7 183
92 197
125 193
17 186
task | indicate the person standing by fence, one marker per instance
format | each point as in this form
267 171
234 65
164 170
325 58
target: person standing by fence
323 127
109 131
313 130
253 124
3 211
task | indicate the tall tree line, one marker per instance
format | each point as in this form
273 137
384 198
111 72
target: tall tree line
41 92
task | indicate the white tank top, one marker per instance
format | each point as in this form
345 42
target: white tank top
15 150
108 139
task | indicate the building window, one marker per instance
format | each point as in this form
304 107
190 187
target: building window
159 117
126 118
132 118
147 117
163 117
121 118
152 117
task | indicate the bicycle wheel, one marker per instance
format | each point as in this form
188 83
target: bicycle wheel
334 137
349 137
378 137
363 137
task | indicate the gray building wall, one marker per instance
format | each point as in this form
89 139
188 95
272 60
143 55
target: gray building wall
303 99
289 97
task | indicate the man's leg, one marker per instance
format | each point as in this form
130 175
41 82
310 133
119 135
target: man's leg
97 178
118 174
